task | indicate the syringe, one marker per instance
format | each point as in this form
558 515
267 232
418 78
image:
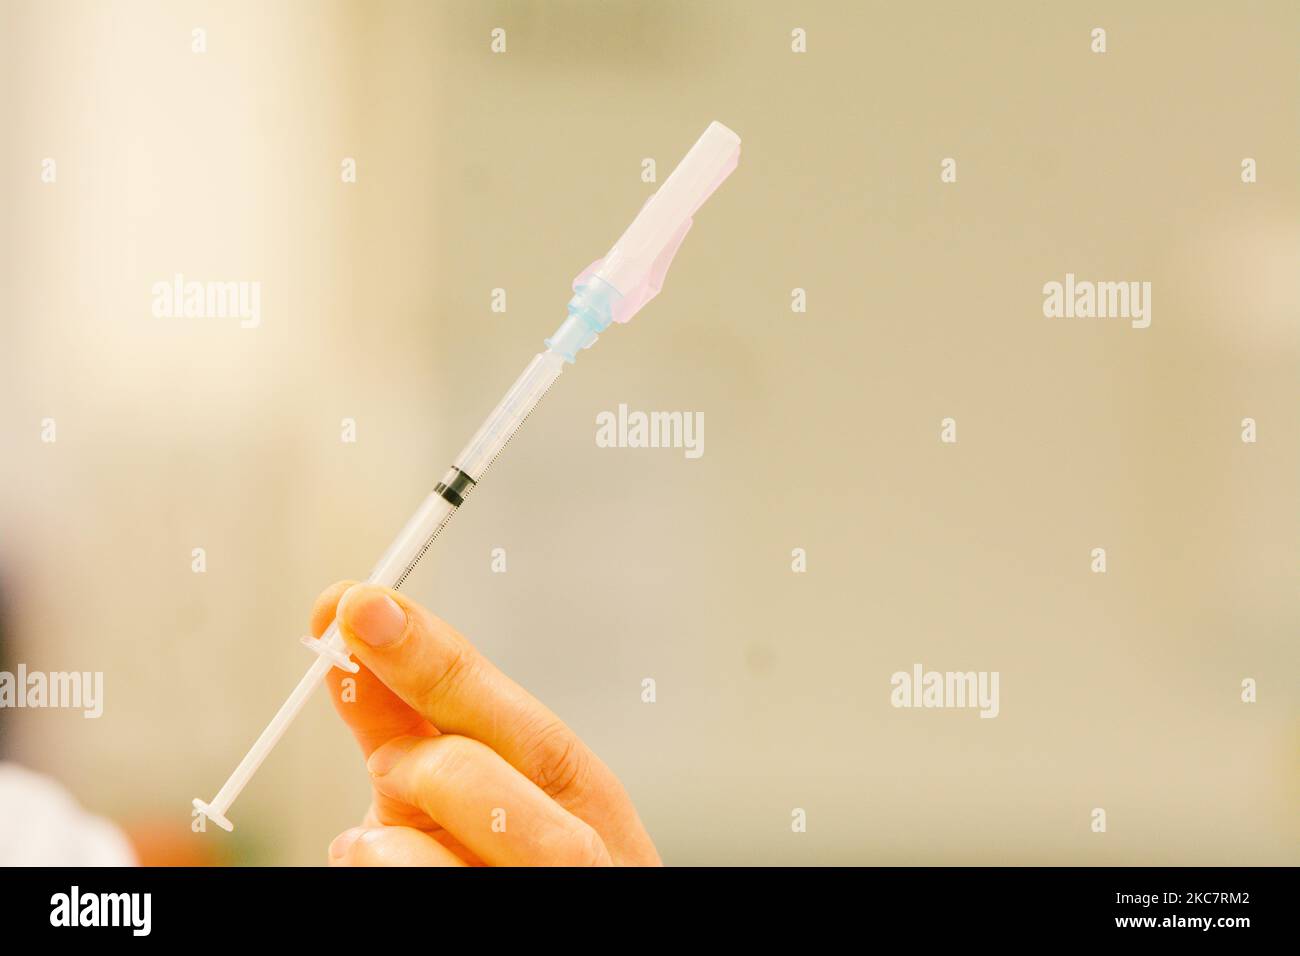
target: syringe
612 289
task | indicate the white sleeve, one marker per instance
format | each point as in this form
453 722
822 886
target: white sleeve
42 825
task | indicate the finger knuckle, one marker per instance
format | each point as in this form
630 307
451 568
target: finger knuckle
582 847
447 756
437 683
557 761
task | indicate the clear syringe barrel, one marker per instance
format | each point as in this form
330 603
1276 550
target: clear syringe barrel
493 435
436 510
397 562
510 413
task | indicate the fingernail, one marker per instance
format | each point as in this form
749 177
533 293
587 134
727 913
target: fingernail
339 847
374 617
386 757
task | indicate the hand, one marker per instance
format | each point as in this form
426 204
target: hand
468 768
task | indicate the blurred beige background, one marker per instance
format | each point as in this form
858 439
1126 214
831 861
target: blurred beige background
515 170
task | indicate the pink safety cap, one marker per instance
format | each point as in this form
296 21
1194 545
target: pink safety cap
636 265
